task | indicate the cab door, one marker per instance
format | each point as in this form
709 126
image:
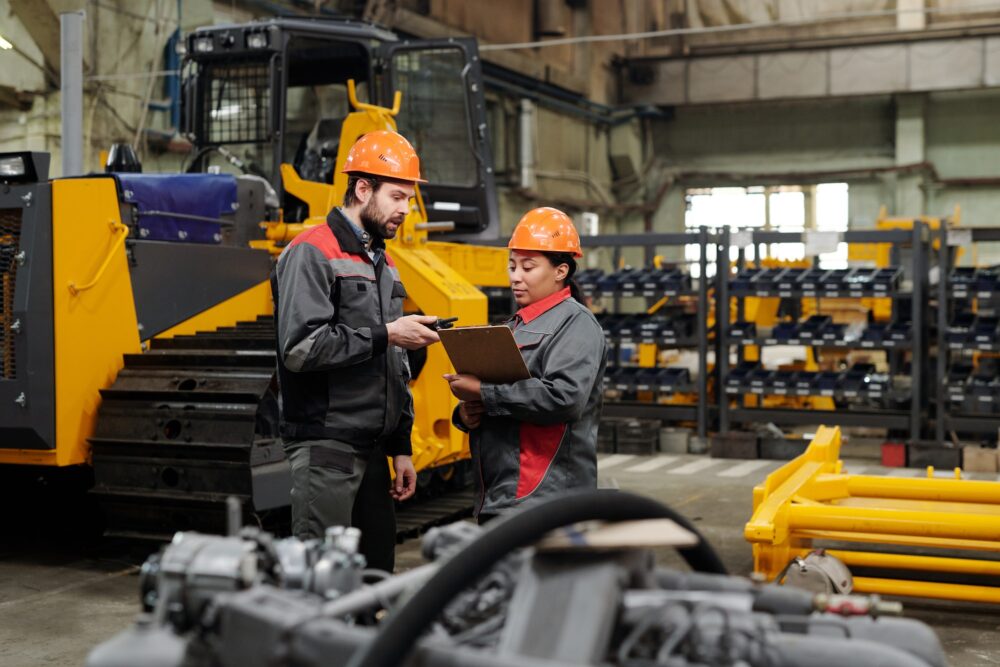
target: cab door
444 115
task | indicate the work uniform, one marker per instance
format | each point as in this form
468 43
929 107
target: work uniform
539 436
345 400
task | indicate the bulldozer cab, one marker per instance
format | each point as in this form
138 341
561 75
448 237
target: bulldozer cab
276 91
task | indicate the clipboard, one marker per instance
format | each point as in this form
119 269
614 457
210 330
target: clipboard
489 353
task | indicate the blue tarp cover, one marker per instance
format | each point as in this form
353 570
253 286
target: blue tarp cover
205 195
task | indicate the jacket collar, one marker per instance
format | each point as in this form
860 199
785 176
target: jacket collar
531 311
343 231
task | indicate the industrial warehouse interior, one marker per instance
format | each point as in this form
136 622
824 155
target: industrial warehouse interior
528 333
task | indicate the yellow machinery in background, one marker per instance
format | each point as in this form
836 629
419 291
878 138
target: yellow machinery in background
137 346
909 527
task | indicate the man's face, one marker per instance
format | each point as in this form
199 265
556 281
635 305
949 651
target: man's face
386 209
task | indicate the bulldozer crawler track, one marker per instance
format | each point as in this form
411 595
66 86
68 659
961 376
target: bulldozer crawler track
192 421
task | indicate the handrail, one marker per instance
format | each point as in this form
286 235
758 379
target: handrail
352 97
116 227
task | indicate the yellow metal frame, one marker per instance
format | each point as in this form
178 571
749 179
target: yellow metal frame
812 498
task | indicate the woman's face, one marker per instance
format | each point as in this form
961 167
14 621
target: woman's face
532 276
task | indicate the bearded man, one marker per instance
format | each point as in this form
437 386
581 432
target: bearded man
343 371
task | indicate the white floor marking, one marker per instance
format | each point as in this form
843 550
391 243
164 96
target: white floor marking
745 468
652 464
613 460
906 472
694 466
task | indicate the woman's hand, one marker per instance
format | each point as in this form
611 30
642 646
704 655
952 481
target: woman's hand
465 387
471 413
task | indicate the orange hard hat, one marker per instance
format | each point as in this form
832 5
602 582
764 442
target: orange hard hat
384 153
546 229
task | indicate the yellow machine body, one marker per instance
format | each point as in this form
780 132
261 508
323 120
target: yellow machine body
95 317
812 500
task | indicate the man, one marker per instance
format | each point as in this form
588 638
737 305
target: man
342 365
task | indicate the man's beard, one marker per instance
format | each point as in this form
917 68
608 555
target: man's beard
375 223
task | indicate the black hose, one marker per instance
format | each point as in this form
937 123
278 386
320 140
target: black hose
519 529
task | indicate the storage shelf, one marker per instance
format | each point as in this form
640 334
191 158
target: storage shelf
895 419
636 410
819 294
973 423
833 345
662 342
638 293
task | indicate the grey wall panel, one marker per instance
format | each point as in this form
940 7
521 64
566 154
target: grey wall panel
721 79
946 64
668 85
867 70
991 61
794 74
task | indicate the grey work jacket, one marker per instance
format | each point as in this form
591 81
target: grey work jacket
339 378
539 436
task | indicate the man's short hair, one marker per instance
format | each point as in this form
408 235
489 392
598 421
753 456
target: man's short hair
350 199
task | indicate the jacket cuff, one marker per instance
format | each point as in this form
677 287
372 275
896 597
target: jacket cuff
380 339
491 400
398 448
456 421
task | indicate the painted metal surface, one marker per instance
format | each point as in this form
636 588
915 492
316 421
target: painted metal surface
811 501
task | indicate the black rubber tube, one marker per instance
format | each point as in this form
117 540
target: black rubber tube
517 530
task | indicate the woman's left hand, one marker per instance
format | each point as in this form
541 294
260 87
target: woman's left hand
465 387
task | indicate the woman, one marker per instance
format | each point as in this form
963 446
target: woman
536 437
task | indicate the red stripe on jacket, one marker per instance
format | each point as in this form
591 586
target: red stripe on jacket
539 445
321 237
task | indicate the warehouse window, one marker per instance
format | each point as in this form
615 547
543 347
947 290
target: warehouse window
435 114
776 208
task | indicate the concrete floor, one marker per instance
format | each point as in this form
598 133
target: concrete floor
60 597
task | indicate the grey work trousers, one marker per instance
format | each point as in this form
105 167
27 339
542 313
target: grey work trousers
333 484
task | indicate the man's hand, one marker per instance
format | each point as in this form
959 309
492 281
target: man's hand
412 332
465 387
471 413
405 483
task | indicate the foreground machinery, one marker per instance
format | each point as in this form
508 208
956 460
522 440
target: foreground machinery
513 595
135 330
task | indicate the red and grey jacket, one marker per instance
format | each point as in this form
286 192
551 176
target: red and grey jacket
338 376
539 436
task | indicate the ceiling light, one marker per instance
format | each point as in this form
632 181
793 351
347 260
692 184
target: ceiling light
4 44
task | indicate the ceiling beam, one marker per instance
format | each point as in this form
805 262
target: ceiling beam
41 22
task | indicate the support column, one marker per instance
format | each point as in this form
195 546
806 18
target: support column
910 149
71 77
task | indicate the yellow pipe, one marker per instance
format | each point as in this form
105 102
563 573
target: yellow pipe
913 562
927 589
955 490
896 522
901 540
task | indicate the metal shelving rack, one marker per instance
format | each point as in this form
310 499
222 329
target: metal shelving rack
910 420
699 412
946 419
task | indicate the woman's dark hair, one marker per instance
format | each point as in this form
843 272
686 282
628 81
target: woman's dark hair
557 258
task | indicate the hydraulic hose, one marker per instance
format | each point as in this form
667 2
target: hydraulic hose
515 531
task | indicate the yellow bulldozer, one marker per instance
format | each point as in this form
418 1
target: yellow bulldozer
136 339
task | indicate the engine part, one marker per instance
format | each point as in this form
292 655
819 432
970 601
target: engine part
818 572
252 601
